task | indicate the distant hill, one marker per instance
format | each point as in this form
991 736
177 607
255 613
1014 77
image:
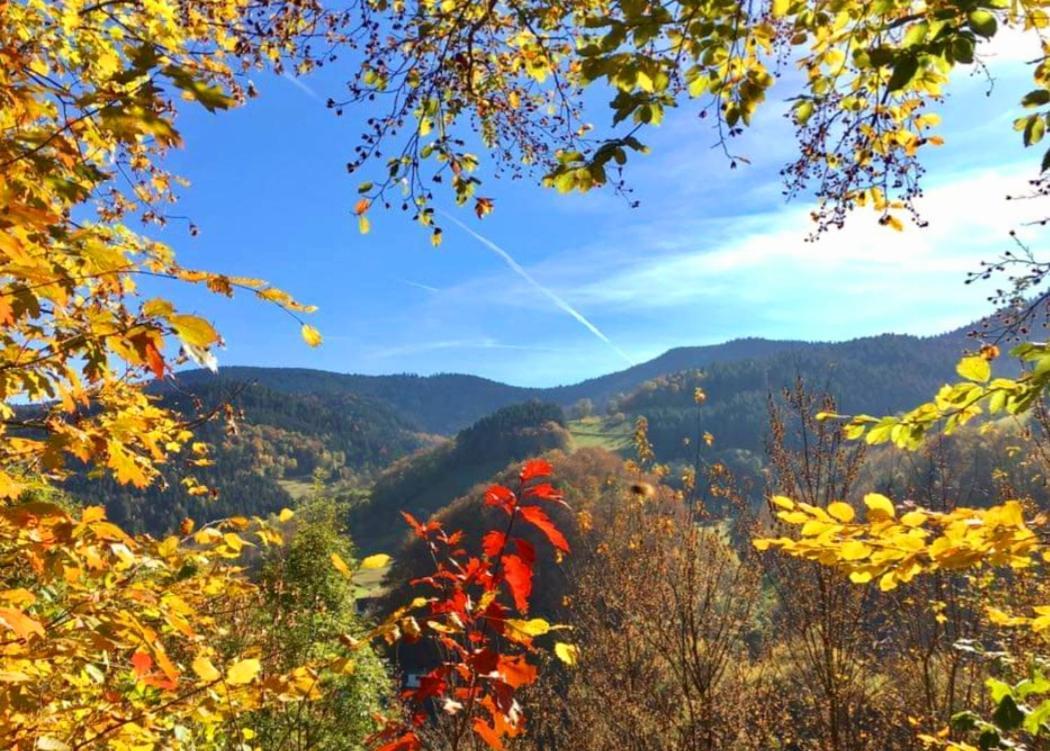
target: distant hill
353 429
877 375
447 403
428 480
443 403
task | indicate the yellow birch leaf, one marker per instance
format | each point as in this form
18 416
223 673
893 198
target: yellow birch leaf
567 653
311 335
243 672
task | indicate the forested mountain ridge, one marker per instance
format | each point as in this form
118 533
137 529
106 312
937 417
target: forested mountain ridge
426 481
270 441
876 375
349 429
446 403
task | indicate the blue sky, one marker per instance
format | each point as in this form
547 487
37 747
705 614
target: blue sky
709 255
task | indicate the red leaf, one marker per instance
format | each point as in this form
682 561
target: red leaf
518 575
421 530
407 742
536 468
412 522
502 497
492 543
431 684
544 492
539 519
141 663
525 550
484 661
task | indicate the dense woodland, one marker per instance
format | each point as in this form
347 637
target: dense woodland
739 547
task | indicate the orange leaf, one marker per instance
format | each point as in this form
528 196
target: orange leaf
488 734
154 359
141 663
20 623
516 671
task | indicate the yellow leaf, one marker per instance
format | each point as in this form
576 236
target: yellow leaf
843 512
363 224
567 653
205 670
442 628
379 560
913 519
783 502
243 672
854 550
285 515
529 628
974 368
340 566
194 330
311 335
880 508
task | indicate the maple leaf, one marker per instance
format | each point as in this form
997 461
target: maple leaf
544 492
488 734
20 623
492 543
154 359
538 518
518 575
141 664
535 468
431 684
500 497
517 671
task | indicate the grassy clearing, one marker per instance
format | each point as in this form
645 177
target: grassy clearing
369 583
602 432
297 489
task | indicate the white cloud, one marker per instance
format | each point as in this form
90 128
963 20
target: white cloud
968 221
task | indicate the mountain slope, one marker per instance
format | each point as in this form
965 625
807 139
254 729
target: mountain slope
446 403
443 403
423 483
876 375
269 443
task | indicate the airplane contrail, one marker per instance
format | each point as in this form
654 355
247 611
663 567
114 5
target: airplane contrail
302 86
518 269
420 285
